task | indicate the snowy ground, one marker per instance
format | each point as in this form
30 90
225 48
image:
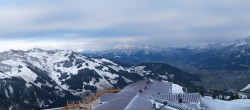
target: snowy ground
215 104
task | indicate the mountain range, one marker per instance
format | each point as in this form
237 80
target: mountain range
227 61
214 56
39 78
48 78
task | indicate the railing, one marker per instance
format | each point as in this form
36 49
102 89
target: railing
72 105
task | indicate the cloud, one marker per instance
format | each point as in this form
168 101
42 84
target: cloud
75 44
92 23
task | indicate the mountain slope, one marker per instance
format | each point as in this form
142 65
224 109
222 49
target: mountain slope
47 78
167 72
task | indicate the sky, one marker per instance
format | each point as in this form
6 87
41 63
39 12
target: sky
101 24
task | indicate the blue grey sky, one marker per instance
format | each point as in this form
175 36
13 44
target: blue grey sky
102 24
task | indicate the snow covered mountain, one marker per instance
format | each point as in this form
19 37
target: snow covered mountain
214 56
232 56
47 78
136 54
231 60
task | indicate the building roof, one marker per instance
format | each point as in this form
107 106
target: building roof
130 98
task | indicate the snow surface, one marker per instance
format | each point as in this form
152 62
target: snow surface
177 88
26 73
139 69
216 104
246 101
2 75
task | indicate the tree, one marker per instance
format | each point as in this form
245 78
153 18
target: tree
202 93
214 96
231 97
234 96
223 97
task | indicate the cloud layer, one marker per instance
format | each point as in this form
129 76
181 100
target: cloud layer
96 24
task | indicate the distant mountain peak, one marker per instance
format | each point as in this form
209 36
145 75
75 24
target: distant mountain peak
42 50
135 46
243 41
37 49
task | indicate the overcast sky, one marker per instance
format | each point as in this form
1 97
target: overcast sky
102 24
